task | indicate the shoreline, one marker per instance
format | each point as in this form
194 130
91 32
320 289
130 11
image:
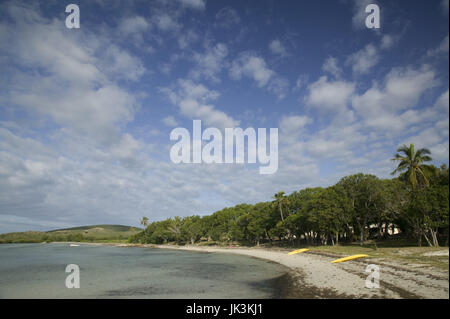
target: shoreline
315 275
312 275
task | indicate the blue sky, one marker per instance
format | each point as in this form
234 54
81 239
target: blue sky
85 114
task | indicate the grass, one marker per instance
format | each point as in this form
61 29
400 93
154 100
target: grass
407 255
101 228
94 233
398 249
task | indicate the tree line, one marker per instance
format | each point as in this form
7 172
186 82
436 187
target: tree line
359 207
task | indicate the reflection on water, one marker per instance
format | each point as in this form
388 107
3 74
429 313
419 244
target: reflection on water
38 271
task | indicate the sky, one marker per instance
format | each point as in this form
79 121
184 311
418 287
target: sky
86 114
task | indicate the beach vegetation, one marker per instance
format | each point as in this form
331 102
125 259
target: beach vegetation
358 208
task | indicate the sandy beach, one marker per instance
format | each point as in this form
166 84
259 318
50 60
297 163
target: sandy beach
314 276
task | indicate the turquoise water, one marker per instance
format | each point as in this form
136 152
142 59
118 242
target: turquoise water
38 271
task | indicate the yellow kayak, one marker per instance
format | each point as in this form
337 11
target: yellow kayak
298 251
349 258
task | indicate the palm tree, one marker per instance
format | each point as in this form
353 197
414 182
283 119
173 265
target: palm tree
175 227
144 221
279 201
412 165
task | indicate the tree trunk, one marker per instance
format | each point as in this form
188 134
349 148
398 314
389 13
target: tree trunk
268 236
361 227
428 241
420 239
386 230
434 237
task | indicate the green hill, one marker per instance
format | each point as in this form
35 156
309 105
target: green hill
94 233
101 228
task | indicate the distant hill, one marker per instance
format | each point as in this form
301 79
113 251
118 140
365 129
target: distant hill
114 228
94 233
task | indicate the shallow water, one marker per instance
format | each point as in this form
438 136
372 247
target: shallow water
38 271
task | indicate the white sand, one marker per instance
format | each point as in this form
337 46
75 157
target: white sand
346 280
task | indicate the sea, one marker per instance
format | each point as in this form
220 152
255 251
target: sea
58 270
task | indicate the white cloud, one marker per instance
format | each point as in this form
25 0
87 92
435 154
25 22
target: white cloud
276 47
333 143
359 13
388 41
433 138
292 128
134 28
119 63
165 22
93 112
133 25
194 4
227 18
252 66
442 49
194 103
170 121
364 60
331 66
279 86
389 109
126 148
301 82
440 151
442 103
75 85
165 68
329 95
210 63
294 124
322 148
404 86
187 38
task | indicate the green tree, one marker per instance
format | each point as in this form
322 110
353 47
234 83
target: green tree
427 212
395 198
411 165
362 195
259 221
279 202
144 221
174 228
191 228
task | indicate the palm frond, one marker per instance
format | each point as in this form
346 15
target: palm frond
423 151
426 158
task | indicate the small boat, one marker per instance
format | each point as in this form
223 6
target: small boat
298 251
349 258
74 245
